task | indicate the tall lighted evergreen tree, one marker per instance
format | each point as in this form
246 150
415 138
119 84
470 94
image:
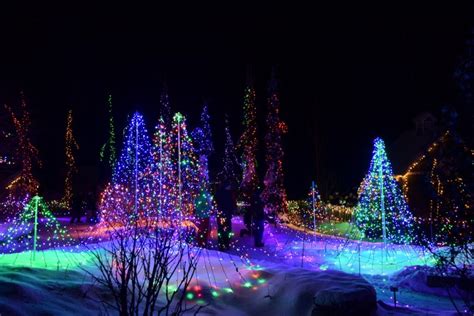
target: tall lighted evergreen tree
274 193
230 169
26 154
382 212
108 152
248 145
71 147
163 170
202 137
187 181
133 170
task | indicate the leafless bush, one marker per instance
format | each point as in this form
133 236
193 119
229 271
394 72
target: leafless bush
147 267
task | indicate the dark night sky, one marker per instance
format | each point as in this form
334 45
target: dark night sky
347 74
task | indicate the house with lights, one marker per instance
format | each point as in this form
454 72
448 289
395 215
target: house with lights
438 178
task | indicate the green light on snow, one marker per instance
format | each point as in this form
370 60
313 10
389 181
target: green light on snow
189 296
228 290
215 294
247 284
261 281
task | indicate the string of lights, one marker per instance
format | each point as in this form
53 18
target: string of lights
70 147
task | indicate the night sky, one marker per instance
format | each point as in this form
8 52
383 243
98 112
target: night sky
346 74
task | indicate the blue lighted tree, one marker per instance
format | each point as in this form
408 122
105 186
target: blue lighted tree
202 137
133 169
382 212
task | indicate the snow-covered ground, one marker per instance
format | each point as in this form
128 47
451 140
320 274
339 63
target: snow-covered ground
294 270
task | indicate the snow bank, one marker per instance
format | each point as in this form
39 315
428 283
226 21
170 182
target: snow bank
415 278
294 291
262 289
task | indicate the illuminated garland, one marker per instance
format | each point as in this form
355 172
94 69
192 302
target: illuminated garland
382 212
109 145
202 137
71 169
34 229
231 168
248 145
274 193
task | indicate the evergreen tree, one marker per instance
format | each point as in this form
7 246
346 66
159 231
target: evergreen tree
185 166
35 228
315 207
231 168
25 184
202 137
70 147
133 169
274 193
163 170
248 144
382 212
108 148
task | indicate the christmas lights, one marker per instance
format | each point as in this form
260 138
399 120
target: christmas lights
34 229
202 138
26 154
231 168
448 164
71 169
163 171
248 144
186 166
274 193
133 170
382 212
108 148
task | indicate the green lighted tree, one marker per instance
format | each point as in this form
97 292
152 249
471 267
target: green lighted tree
34 229
382 212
